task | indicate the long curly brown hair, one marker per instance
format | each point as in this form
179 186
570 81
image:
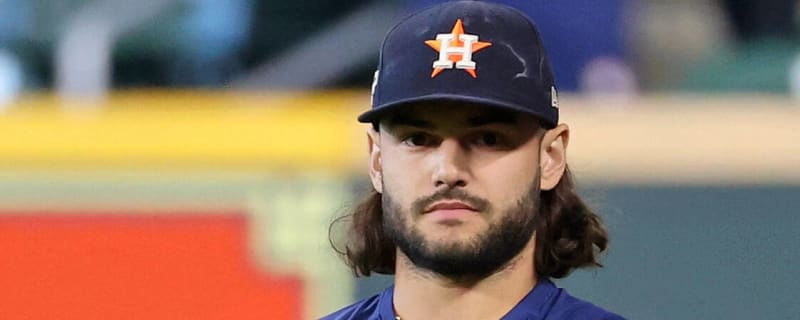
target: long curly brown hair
569 235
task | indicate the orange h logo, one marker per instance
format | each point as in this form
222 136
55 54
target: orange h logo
456 48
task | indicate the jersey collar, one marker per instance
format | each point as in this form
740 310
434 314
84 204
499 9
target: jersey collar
534 306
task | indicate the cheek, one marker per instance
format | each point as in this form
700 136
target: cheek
508 179
402 178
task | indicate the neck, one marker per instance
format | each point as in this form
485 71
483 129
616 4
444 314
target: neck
421 294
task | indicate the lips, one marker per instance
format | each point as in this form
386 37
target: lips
449 205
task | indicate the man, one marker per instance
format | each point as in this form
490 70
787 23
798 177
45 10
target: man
474 209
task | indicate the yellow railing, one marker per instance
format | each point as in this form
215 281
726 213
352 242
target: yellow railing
146 129
683 139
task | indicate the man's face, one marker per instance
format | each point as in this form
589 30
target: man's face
460 185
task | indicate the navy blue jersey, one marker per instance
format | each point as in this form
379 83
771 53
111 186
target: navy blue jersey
544 302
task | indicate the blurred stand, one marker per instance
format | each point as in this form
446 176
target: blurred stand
15 25
213 33
210 34
718 46
608 76
794 78
756 19
10 79
83 54
617 47
771 26
667 37
324 58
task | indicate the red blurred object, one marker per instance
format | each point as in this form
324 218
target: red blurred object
133 265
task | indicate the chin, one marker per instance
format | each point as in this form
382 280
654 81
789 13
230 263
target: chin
451 237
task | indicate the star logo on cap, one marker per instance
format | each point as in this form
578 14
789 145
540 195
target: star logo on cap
456 48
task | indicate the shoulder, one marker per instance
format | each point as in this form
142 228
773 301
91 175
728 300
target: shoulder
361 310
566 306
546 301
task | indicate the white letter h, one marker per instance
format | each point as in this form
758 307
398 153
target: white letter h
446 50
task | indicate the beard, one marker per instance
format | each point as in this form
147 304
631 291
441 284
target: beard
472 259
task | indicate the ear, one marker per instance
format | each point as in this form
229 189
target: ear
553 156
375 167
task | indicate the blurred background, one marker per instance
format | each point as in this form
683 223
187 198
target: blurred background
183 159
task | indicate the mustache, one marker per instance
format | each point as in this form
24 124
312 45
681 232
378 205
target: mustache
478 203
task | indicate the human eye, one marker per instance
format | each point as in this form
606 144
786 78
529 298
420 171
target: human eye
418 139
488 139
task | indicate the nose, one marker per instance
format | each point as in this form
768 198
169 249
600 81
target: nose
450 168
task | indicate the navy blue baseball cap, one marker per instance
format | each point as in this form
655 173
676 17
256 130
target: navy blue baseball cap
465 51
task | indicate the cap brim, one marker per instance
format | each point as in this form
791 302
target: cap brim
379 112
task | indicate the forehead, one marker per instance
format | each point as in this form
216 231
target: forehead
454 114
